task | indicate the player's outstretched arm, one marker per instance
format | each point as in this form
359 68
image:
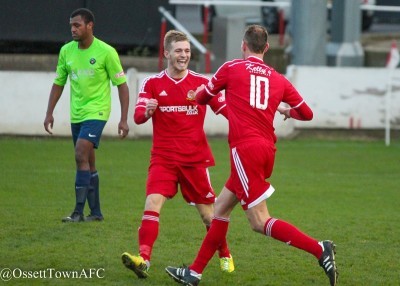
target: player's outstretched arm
218 105
202 97
301 112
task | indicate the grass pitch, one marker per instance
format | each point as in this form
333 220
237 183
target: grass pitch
347 191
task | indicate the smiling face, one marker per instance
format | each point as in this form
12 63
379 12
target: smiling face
178 56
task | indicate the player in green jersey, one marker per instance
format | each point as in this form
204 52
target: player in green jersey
90 65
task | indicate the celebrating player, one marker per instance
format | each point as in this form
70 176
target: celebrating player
180 154
253 93
90 64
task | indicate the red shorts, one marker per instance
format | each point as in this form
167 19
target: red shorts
251 164
194 182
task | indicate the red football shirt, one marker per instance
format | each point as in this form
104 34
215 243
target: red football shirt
253 92
178 134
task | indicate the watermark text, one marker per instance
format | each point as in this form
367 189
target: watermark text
7 274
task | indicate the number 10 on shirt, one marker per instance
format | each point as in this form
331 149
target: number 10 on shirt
257 99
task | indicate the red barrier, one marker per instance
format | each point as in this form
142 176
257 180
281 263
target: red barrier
207 56
163 31
281 27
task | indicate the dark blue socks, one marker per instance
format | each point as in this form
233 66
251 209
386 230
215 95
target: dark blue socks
82 183
93 195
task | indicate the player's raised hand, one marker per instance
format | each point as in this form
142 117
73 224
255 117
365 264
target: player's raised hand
151 106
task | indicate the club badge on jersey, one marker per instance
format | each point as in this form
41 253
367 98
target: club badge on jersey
191 96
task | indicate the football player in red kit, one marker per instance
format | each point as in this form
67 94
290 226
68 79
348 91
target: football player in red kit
180 154
253 94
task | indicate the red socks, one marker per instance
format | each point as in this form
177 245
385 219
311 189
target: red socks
216 235
277 229
148 232
290 235
223 250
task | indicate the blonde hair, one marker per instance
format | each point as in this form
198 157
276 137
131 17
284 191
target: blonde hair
174 36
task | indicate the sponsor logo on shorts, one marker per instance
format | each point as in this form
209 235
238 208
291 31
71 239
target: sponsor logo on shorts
92 135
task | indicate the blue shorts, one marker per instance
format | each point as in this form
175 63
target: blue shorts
90 130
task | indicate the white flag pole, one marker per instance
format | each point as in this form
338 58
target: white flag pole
391 63
388 99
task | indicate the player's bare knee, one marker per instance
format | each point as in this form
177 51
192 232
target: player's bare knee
154 202
206 213
206 216
207 220
152 205
257 226
81 160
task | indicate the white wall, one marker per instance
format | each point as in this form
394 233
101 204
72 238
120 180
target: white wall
24 97
344 96
339 97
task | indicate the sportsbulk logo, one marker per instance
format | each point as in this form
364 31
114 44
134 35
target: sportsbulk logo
120 74
190 110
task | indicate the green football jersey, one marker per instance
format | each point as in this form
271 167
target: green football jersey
90 72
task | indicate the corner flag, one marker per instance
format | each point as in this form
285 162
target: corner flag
393 57
392 62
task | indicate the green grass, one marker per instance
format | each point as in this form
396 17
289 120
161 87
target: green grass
347 191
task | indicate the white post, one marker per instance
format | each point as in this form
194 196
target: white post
388 100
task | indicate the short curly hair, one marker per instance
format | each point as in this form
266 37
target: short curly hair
86 15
